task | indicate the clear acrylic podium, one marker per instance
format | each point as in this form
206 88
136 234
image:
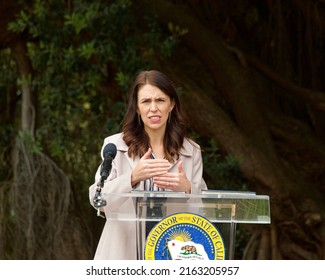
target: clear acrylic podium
224 209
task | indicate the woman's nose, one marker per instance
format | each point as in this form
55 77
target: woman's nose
153 106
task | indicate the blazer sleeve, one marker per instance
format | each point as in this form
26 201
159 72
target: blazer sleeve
197 182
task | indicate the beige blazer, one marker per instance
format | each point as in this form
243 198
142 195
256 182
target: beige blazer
118 239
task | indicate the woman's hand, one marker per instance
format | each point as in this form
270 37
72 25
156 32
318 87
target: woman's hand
174 181
148 168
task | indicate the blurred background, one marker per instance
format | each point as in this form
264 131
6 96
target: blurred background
250 75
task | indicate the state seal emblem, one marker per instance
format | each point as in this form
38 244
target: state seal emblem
184 236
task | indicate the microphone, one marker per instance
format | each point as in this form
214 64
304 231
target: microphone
109 154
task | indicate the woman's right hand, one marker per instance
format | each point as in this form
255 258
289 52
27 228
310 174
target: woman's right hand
148 168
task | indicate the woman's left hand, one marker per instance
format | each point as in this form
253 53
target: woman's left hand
177 182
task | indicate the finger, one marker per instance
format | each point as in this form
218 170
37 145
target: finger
147 154
168 177
158 171
180 167
164 185
164 180
157 163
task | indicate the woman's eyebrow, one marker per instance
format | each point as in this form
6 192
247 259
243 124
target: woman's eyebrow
154 98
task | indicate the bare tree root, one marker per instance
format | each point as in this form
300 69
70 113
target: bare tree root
251 247
299 244
40 197
263 252
275 253
3 213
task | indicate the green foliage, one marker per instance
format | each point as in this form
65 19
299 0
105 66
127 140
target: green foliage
8 89
79 55
75 52
8 70
123 80
21 23
222 171
33 145
176 30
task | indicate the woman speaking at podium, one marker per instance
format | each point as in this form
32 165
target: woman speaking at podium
153 154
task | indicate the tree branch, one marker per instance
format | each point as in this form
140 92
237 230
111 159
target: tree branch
315 98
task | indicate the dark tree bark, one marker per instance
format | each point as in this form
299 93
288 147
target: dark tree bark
247 133
8 11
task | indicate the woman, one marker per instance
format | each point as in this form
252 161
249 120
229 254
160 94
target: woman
153 153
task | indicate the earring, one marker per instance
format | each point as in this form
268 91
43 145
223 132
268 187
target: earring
169 116
139 119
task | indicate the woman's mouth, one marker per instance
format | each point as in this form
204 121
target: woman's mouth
154 119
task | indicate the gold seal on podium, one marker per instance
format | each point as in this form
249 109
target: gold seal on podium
184 236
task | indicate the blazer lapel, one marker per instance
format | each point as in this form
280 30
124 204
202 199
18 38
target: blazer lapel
121 146
185 152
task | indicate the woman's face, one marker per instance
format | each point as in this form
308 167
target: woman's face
154 107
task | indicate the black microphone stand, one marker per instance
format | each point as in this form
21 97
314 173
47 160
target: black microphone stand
98 200
109 153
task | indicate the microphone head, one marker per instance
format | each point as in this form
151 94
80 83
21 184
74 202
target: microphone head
110 150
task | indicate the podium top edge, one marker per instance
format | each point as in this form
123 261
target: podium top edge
204 194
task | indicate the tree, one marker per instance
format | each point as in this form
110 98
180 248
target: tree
72 52
254 100
250 133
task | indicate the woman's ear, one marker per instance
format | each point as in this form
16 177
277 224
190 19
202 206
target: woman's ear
172 105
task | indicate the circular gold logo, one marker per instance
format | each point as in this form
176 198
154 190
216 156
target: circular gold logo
184 236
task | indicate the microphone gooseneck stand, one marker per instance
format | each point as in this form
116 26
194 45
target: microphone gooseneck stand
109 154
99 202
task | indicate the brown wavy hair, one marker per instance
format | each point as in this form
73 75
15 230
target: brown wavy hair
134 134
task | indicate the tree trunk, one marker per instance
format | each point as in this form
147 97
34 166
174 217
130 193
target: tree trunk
246 136
28 108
